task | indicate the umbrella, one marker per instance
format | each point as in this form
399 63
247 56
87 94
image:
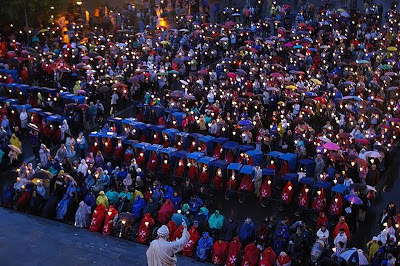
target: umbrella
203 72
330 146
83 106
42 174
184 82
345 14
33 127
363 141
243 123
15 148
392 49
80 92
371 188
173 72
334 156
178 60
316 81
361 162
353 199
104 89
385 67
241 71
324 139
373 154
177 94
231 75
355 256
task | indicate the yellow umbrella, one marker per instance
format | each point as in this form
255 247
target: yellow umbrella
281 103
291 87
392 49
316 81
341 10
43 30
165 42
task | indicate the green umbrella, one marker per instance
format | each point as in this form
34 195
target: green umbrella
385 67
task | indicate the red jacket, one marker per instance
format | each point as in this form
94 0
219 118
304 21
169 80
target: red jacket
251 253
233 252
219 252
144 231
267 258
165 212
108 222
188 249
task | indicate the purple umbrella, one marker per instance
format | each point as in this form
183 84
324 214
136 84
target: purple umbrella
353 199
331 146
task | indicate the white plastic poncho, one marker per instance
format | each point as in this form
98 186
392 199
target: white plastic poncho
162 252
82 216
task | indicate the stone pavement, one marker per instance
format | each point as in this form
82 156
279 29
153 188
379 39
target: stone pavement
31 240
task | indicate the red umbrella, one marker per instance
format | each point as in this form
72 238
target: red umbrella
253 50
320 99
83 106
203 72
334 156
276 75
231 75
361 162
363 141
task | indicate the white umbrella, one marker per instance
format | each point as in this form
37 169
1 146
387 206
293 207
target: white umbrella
371 188
183 30
224 39
15 148
373 154
184 82
354 256
345 14
324 139
235 14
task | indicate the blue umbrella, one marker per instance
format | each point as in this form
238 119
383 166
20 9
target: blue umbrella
353 199
243 123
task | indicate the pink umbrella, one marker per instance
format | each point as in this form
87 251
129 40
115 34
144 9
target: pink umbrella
330 146
85 57
276 75
203 72
288 44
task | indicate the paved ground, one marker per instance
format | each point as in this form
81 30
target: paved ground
31 240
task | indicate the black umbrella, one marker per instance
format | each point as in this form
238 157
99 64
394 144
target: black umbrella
42 174
103 89
177 94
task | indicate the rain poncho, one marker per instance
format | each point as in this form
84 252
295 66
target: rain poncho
165 212
137 207
247 232
216 220
151 208
98 218
251 253
204 247
267 257
108 222
233 252
188 249
219 252
82 216
62 207
177 218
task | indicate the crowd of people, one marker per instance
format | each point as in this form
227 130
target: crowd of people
298 110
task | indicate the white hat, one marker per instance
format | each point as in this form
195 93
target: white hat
163 231
375 238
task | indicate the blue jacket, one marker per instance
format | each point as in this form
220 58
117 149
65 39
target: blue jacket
137 207
63 206
247 232
204 246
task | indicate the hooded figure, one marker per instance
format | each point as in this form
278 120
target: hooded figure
177 217
153 162
303 197
246 184
180 170
138 206
247 232
188 249
165 212
204 176
82 216
251 254
216 220
219 252
193 172
233 252
162 252
342 224
267 257
229 157
336 205
166 169
322 219
228 229
151 207
266 189
172 226
98 217
109 220
62 207
204 247
283 259
319 202
144 231
287 192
